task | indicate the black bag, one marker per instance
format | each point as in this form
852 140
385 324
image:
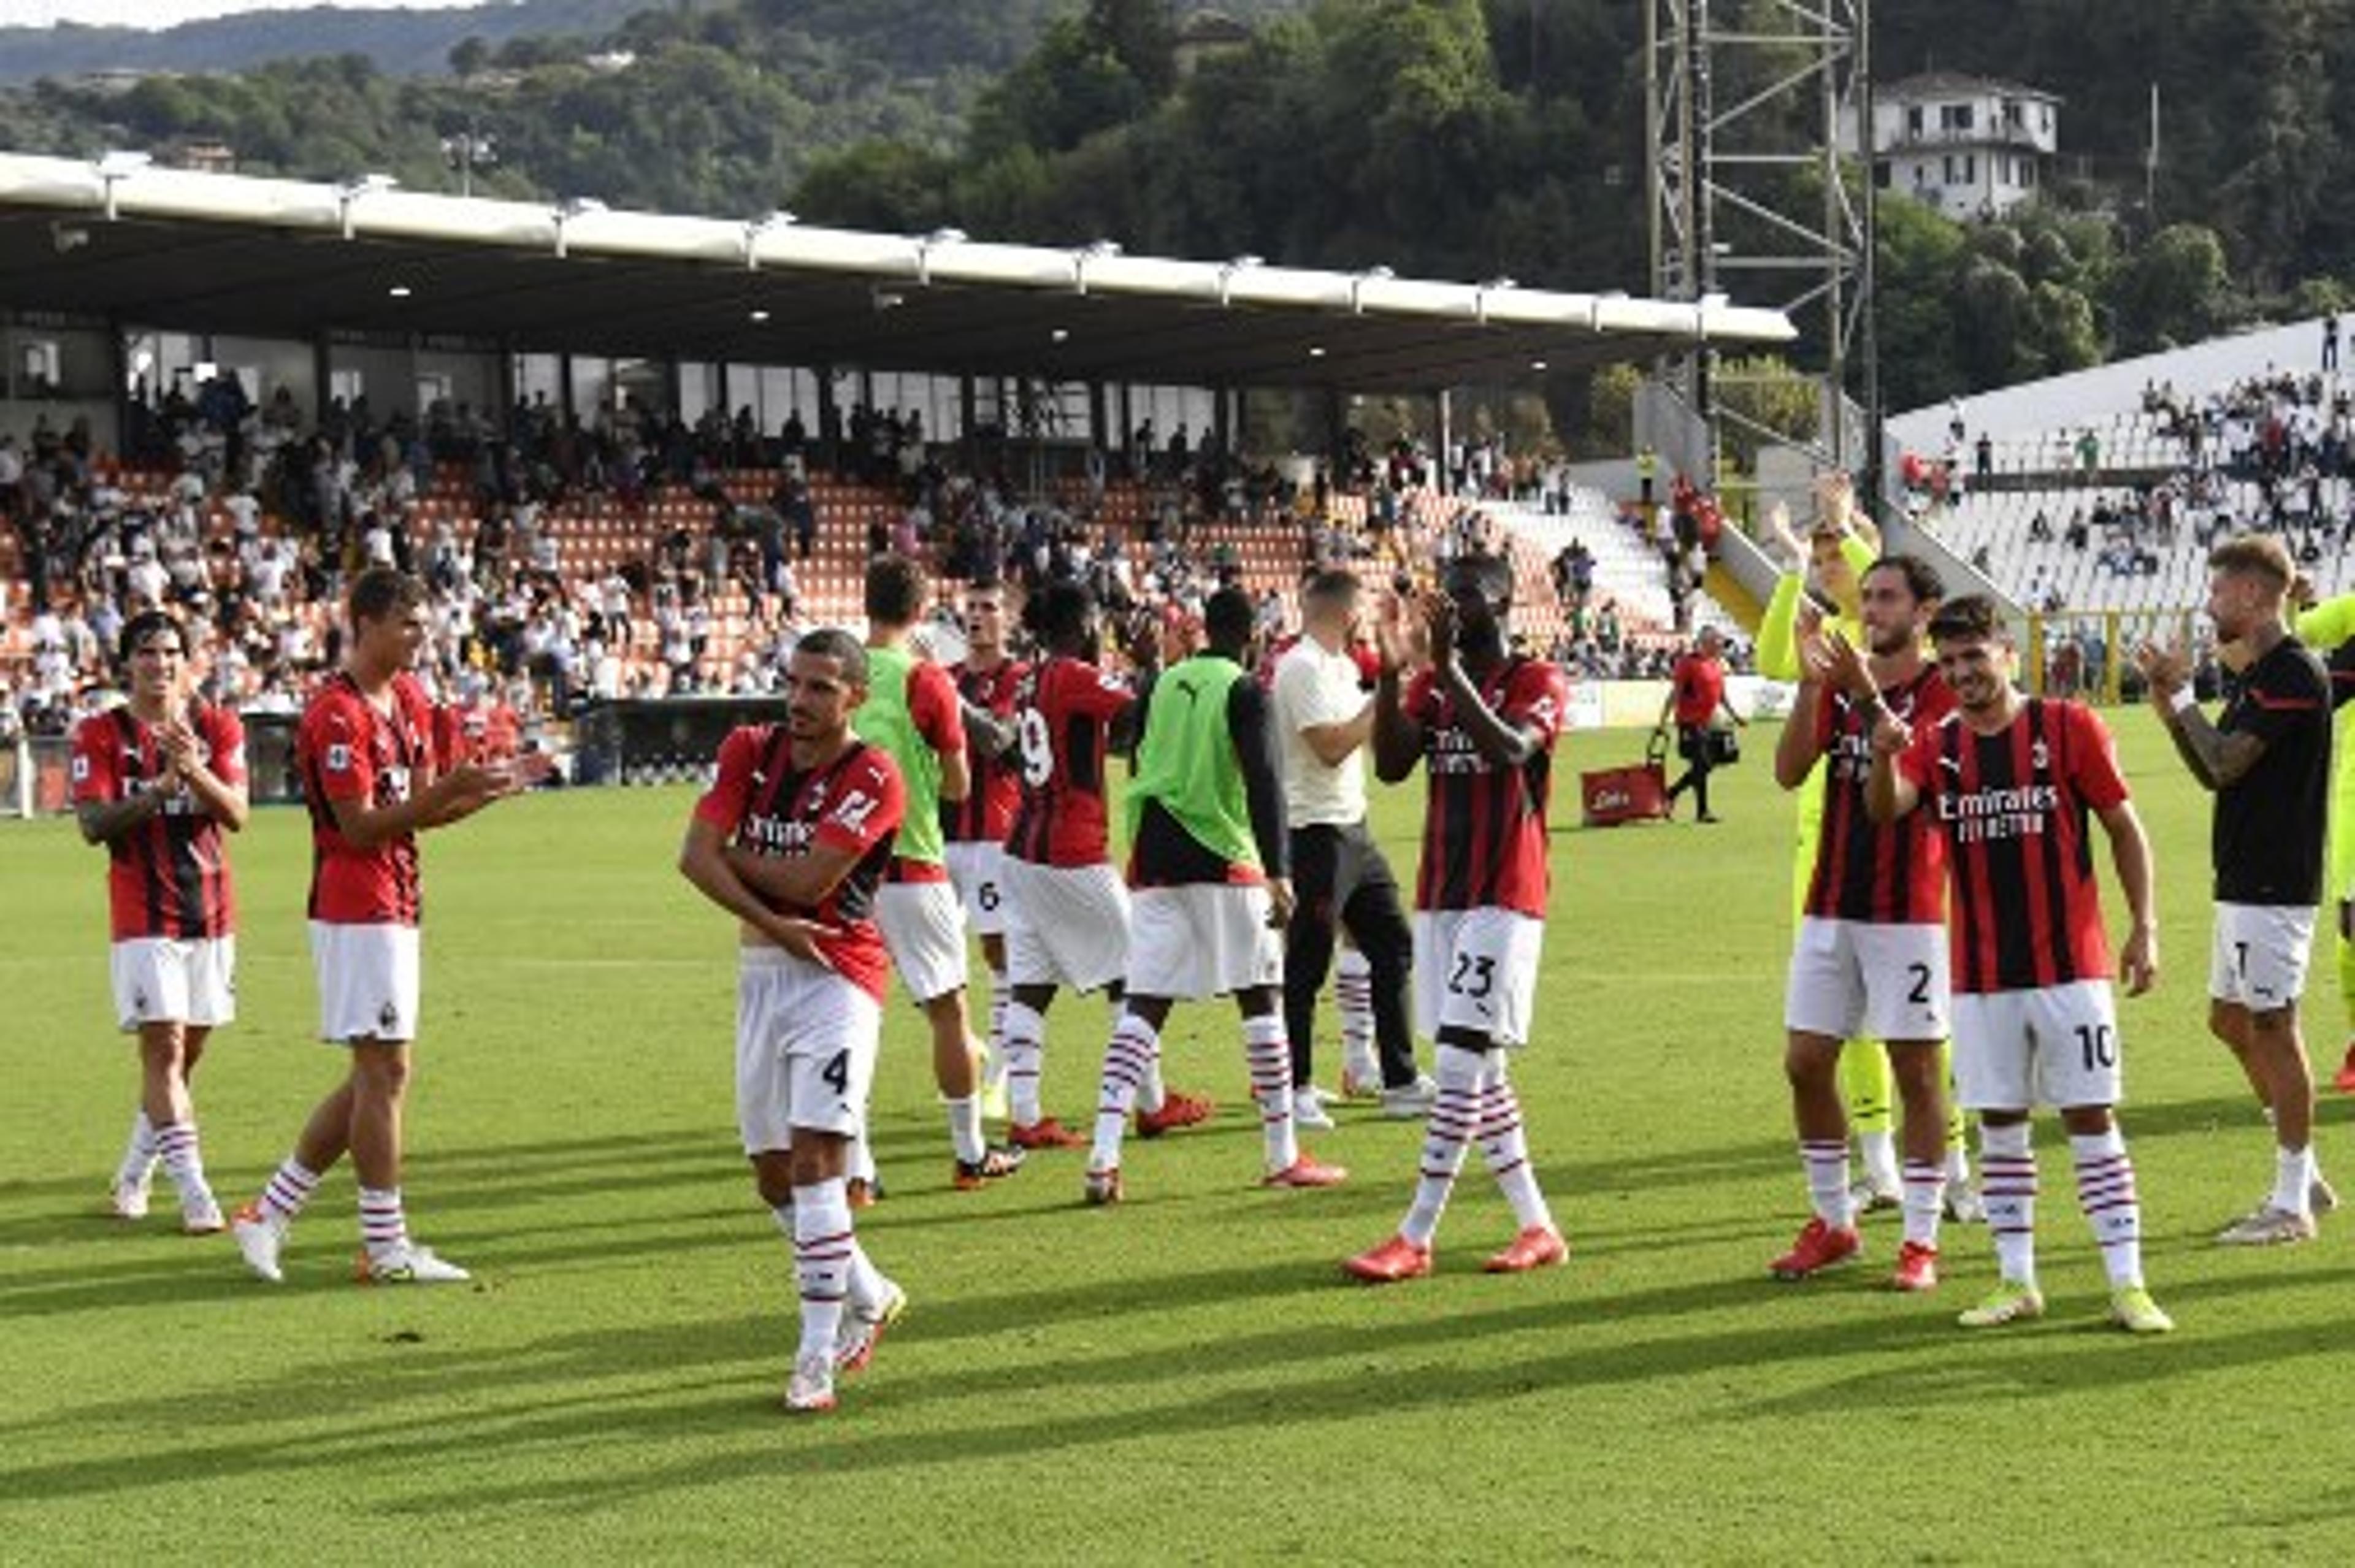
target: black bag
1724 746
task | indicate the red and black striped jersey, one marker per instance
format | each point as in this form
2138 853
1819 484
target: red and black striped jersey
2027 909
1063 713
986 813
762 803
1484 834
346 748
169 876
1888 874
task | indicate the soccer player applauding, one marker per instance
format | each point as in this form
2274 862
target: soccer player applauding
2010 781
156 780
1483 725
372 782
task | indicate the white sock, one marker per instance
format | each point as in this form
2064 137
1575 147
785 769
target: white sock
138 1155
290 1187
1446 1137
1128 1058
1825 1164
2106 1191
1959 1164
184 1161
1269 1057
1924 1198
965 1128
1022 1033
864 1282
2007 1185
1502 1140
1353 998
2293 1181
1879 1155
823 1245
860 1160
1000 998
384 1228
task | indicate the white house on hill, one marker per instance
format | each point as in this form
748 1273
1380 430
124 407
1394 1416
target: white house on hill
1970 147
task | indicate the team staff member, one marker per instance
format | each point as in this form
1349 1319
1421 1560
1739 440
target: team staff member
364 751
1340 878
1696 696
156 781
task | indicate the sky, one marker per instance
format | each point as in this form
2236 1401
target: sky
157 14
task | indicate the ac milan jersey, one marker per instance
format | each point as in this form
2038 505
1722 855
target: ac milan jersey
1892 873
1484 836
1062 713
2013 806
2268 835
763 803
169 876
346 748
986 814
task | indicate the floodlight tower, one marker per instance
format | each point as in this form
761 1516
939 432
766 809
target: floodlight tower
1751 107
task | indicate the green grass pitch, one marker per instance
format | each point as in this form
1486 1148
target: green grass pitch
1186 1377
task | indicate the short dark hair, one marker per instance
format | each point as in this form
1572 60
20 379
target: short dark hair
1492 574
1058 611
834 642
1971 618
2254 555
895 590
1921 578
143 625
381 591
1330 586
1228 617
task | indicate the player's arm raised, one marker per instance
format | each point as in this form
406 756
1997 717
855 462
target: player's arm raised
1398 737
224 800
1505 744
2138 879
1888 793
2215 759
1801 744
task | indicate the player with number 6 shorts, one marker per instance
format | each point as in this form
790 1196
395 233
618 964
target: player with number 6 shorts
2010 781
794 839
975 828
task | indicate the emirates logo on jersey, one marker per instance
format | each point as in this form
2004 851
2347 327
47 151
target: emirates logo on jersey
775 835
1986 815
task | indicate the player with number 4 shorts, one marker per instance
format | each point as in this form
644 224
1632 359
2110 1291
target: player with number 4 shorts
794 839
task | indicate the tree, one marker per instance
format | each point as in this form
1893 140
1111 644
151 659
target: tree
469 56
2173 290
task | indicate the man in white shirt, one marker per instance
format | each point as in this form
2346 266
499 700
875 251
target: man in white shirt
1323 717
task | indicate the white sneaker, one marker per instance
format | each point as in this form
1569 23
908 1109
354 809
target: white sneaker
1411 1102
2267 1226
1865 1198
1362 1080
200 1216
854 1341
1308 1109
411 1265
2321 1196
128 1200
810 1391
260 1239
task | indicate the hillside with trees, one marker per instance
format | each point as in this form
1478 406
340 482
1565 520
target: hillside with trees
1462 138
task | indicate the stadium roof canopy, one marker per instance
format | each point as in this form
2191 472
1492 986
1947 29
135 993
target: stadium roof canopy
120 239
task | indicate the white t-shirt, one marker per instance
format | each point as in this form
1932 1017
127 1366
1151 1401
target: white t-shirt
1312 688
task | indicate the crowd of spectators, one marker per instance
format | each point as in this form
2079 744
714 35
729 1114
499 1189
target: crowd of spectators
247 526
